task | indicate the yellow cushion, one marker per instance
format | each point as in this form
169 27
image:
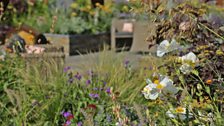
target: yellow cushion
28 37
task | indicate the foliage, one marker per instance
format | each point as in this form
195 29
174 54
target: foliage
198 74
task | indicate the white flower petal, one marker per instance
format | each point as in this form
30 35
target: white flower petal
150 92
164 43
174 45
160 53
166 82
163 48
170 114
170 90
185 68
154 94
148 81
190 57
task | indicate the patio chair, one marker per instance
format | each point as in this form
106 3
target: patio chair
117 31
142 30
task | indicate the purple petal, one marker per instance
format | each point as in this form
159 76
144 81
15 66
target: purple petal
78 76
66 114
88 82
108 90
68 122
79 124
66 69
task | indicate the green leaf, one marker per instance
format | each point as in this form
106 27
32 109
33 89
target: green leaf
207 89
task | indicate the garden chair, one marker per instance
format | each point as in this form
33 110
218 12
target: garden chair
118 32
142 30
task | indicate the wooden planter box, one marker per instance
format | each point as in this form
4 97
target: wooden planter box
75 44
52 59
52 54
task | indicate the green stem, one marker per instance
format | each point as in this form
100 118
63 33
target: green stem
211 31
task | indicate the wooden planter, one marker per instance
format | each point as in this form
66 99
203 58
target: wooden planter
52 54
75 44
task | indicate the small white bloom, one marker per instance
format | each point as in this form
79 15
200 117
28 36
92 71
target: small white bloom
186 59
185 68
189 57
179 112
165 46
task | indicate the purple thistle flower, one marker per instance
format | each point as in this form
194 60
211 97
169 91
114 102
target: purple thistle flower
88 82
78 76
94 95
66 69
67 114
79 123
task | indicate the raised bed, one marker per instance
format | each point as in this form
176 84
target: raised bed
75 44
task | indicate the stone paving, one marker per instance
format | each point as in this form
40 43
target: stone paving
88 61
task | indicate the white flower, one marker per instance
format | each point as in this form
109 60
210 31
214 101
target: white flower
185 68
163 85
188 60
189 57
165 46
179 112
150 91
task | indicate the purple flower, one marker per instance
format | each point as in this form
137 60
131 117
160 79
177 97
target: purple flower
108 90
90 73
94 95
88 82
104 83
67 114
79 123
66 69
95 88
126 63
70 80
68 122
78 76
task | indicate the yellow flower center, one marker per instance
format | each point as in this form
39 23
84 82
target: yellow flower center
156 82
159 86
179 109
